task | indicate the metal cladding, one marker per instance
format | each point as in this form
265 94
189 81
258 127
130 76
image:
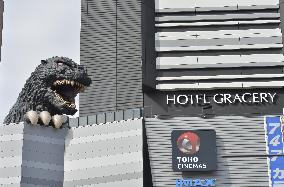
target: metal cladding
206 45
241 150
1 23
31 155
102 155
205 58
111 48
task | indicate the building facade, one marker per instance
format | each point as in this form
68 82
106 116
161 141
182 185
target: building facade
1 23
205 65
99 150
210 65
111 48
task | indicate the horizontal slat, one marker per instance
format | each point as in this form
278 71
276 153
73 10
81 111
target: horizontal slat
223 47
185 5
218 17
231 85
103 161
257 2
104 171
215 8
222 61
218 42
197 35
254 76
236 135
220 23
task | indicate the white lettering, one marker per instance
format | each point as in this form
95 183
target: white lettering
244 97
224 98
179 100
205 100
255 98
227 98
272 97
198 98
220 101
237 97
178 158
263 97
171 99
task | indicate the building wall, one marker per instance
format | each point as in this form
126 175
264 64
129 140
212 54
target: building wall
104 155
231 44
111 48
241 150
200 47
1 23
31 156
212 47
10 155
101 155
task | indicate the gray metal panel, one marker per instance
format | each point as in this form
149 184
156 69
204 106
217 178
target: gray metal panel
96 152
216 24
111 47
232 170
207 5
42 174
11 151
221 85
218 17
30 181
103 171
105 129
42 131
100 145
15 184
10 172
106 154
10 146
42 147
187 39
129 50
31 185
43 165
98 50
83 121
107 179
11 129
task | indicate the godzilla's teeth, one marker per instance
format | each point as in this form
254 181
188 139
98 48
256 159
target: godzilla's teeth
72 105
72 83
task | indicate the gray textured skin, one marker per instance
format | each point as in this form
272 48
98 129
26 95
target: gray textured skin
37 93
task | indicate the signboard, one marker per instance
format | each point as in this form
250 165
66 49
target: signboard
274 139
214 102
223 98
194 150
195 182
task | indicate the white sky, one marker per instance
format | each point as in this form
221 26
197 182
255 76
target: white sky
35 30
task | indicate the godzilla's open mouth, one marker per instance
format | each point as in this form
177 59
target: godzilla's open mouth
67 90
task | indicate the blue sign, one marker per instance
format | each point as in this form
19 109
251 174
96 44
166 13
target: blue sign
195 182
274 139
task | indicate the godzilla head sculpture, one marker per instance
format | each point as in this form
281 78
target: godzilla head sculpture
52 89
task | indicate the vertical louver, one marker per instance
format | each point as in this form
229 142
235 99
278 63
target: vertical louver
111 49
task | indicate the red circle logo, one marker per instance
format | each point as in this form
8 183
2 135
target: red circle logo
188 143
